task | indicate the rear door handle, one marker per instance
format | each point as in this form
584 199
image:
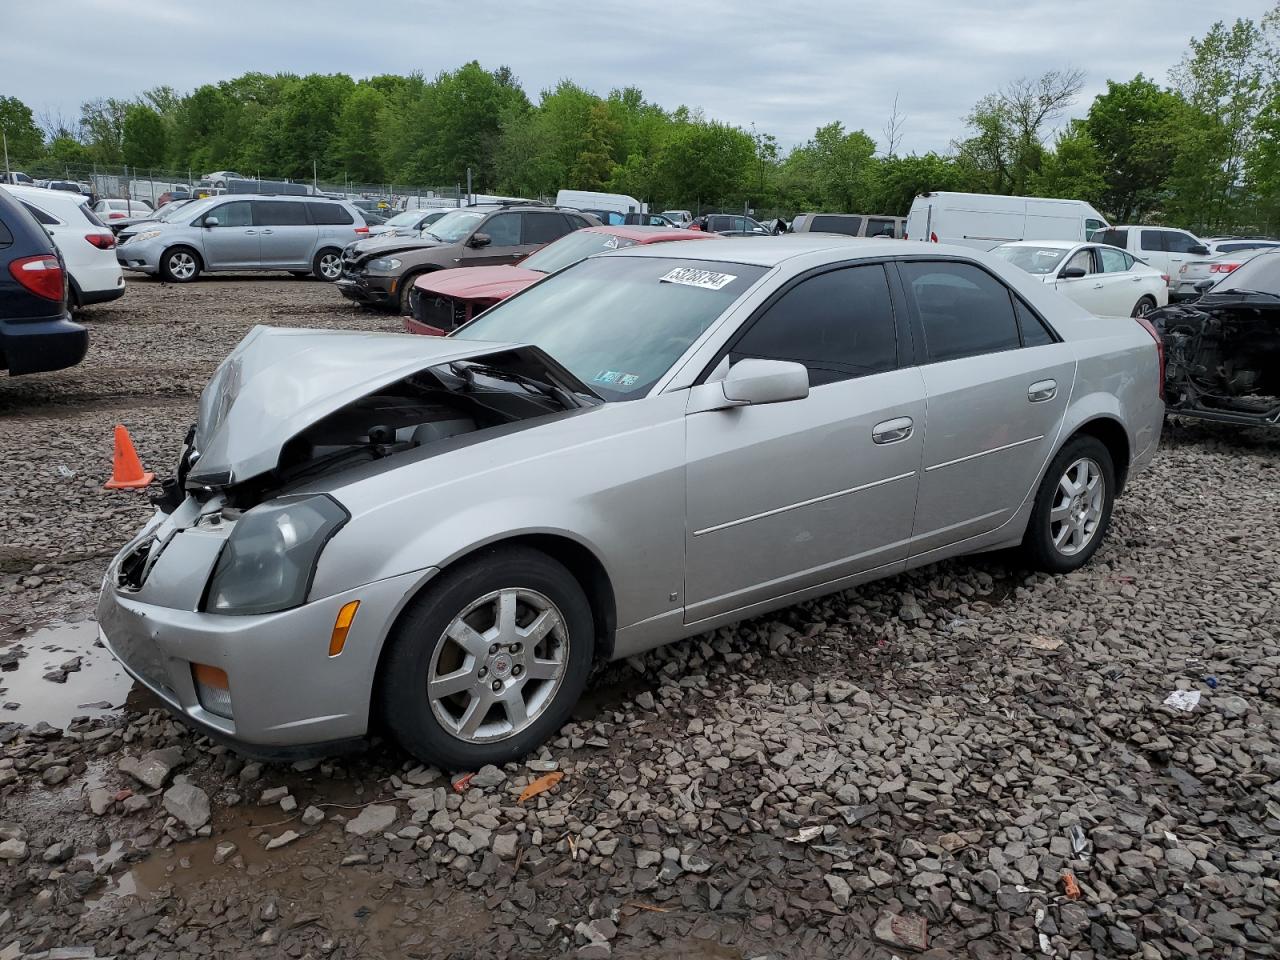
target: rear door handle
1097 286
251 233
266 231
1042 390
892 431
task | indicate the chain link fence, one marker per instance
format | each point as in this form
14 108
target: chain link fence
149 184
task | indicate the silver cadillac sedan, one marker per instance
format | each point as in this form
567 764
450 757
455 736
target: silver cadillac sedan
438 536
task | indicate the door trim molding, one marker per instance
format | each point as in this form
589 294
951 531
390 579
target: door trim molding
983 453
804 503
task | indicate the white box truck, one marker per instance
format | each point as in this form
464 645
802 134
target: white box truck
592 201
986 220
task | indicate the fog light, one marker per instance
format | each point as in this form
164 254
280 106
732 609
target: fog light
212 689
341 626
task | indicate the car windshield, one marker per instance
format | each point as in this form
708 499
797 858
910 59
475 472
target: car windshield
198 208
405 219
1260 273
452 227
170 209
1037 260
618 323
572 248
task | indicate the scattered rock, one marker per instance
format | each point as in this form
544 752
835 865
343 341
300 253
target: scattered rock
373 819
188 803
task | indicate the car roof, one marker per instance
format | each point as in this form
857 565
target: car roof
38 195
771 251
652 234
1050 244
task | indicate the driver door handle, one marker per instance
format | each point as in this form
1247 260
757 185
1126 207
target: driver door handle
1097 286
892 431
266 231
1042 390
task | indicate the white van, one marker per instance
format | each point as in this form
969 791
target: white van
592 201
985 220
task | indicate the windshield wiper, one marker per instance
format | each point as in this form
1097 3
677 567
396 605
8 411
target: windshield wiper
467 369
434 237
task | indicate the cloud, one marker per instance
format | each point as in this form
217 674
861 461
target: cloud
786 67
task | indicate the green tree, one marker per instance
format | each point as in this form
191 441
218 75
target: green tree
355 146
900 180
144 136
845 165
1136 128
593 166
1073 169
1223 80
705 163
102 128
20 130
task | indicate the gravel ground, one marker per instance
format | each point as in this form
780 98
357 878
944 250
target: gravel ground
965 761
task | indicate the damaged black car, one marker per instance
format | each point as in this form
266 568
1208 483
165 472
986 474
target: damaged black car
1222 351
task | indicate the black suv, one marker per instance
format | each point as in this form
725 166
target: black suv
36 331
380 270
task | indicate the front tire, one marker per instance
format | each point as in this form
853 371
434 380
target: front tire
1073 507
488 661
1143 307
406 291
180 265
327 265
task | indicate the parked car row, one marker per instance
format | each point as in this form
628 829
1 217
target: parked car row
671 407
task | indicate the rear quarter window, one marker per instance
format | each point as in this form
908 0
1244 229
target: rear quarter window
1115 238
6 238
329 214
40 215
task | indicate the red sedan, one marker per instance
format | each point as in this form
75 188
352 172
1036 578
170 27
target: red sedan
446 299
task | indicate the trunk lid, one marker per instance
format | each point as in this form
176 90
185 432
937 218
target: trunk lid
277 382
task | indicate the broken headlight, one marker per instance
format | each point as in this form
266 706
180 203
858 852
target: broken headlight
267 563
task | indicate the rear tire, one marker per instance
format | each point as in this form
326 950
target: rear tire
455 636
327 265
1143 307
1073 507
180 265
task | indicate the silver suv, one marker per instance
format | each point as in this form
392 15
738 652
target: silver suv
299 234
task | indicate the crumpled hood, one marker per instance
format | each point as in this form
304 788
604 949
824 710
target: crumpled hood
388 243
277 382
477 283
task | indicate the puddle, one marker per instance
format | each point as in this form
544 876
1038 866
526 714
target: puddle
98 689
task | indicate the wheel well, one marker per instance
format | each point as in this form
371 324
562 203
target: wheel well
1114 438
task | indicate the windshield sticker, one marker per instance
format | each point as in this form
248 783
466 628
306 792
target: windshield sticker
706 279
611 243
607 376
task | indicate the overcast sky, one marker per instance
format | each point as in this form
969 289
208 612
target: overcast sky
787 65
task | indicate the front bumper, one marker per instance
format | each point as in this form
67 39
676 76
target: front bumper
362 288
287 693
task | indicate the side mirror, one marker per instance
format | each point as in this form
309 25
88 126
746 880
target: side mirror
1072 273
765 381
210 221
479 240
1199 249
1203 285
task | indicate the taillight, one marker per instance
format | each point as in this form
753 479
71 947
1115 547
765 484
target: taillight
1164 277
41 274
933 238
1222 267
1155 335
362 229
103 241
117 216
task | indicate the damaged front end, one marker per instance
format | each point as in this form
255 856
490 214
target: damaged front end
1222 357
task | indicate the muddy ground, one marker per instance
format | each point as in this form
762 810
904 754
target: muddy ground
915 767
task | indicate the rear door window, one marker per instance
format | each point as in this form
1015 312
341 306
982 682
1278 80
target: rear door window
839 324
1114 261
1175 241
828 224
1152 239
544 227
279 213
965 312
880 228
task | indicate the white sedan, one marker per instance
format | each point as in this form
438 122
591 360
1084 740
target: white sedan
1106 281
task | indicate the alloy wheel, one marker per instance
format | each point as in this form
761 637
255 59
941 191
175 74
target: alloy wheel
1078 506
330 266
182 265
498 665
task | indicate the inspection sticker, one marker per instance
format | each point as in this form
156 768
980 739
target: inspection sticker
698 278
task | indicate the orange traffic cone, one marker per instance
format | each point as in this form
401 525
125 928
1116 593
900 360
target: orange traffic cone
126 468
